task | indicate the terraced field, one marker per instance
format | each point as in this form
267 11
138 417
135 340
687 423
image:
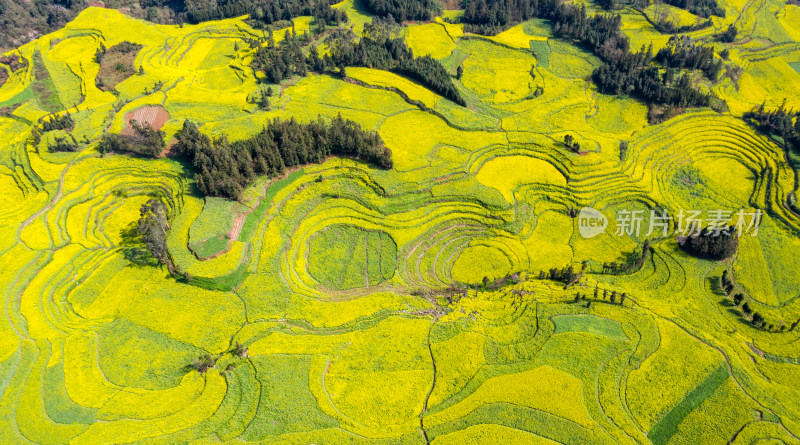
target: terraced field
342 303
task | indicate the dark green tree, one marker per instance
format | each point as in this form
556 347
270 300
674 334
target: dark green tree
153 226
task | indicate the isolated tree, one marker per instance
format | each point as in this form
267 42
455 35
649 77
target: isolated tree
622 299
459 72
746 309
153 227
596 291
729 35
203 364
737 299
239 350
568 140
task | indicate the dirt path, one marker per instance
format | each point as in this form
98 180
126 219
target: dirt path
50 204
238 223
433 385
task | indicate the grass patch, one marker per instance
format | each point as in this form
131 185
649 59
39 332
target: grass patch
346 257
668 425
589 324
43 87
542 50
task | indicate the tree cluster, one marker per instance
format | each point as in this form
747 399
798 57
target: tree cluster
379 49
776 122
624 72
729 35
143 140
279 62
566 275
711 244
632 74
224 169
402 10
681 52
21 21
54 121
608 5
492 285
665 26
571 143
64 143
262 12
703 8
153 227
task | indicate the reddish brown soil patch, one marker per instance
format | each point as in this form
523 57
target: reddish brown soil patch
154 115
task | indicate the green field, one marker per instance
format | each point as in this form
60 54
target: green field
343 303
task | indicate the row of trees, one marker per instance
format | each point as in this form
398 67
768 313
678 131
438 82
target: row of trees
632 263
381 47
566 275
613 297
224 169
740 302
143 140
777 122
402 10
703 8
262 12
64 143
378 48
54 121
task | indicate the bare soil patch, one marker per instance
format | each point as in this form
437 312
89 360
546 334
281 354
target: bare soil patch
154 115
116 65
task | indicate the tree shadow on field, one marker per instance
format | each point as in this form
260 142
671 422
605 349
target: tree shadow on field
714 286
133 248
